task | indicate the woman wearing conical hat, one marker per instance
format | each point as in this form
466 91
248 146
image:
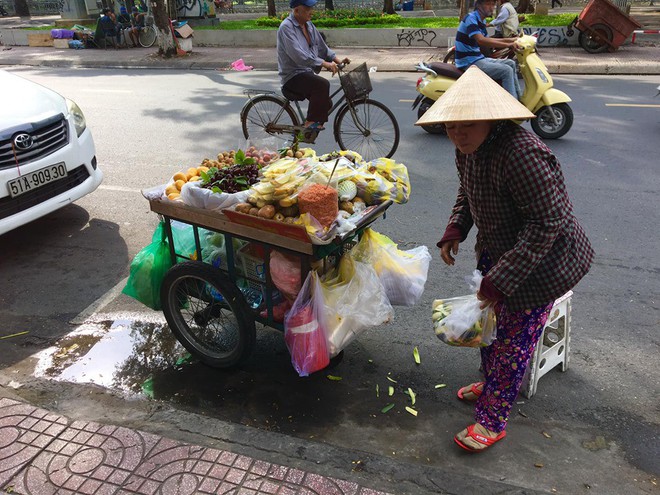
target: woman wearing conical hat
530 247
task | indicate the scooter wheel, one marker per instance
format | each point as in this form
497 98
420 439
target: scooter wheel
545 126
431 128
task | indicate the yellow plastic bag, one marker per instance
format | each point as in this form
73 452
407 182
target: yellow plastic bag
402 273
395 174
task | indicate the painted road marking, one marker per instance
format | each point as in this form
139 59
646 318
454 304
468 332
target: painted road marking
99 304
406 101
630 105
120 189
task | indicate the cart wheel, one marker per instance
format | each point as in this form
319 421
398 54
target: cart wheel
207 314
597 39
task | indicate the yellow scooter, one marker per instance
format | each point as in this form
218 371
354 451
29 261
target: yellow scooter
554 116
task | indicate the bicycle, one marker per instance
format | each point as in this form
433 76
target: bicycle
361 124
149 33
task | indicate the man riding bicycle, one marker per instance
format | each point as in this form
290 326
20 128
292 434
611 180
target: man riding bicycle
301 54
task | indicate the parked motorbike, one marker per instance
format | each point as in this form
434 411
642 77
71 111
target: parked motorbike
554 116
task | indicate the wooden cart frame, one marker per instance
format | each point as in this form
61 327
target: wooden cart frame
203 304
603 26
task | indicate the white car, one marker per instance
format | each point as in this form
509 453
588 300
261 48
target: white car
47 153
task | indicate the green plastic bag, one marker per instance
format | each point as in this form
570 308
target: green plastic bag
148 269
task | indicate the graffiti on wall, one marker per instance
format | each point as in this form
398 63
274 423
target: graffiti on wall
194 8
551 36
408 37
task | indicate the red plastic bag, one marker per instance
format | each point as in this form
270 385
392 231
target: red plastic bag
304 331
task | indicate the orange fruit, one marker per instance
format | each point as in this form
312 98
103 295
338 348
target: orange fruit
179 184
179 176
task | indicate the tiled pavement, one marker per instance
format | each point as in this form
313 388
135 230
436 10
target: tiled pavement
44 453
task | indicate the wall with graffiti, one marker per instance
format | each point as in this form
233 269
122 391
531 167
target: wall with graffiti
554 36
195 8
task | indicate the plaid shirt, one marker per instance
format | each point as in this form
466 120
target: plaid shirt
512 188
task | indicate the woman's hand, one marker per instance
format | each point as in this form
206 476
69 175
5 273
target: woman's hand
447 249
483 302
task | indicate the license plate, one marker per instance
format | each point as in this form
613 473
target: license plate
38 178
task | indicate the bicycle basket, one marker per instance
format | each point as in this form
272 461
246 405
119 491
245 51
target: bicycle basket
356 83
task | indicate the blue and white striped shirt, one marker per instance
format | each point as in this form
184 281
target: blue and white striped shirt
467 48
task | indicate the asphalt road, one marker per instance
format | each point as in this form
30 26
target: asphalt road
602 415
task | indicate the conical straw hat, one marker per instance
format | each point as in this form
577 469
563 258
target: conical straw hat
474 96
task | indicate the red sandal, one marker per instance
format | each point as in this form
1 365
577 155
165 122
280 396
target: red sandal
473 389
484 440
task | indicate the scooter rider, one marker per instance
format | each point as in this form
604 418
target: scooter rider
472 36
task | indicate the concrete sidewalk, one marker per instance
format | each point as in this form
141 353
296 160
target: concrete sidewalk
629 59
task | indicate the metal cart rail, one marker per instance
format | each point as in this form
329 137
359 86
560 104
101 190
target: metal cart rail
603 26
203 304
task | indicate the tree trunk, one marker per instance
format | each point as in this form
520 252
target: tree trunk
329 5
21 7
388 7
271 8
464 8
166 46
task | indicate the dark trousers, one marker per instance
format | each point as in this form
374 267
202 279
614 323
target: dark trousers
317 90
556 1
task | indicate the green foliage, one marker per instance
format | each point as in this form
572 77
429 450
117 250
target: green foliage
374 19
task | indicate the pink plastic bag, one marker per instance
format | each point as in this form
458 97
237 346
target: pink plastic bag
304 331
240 65
285 272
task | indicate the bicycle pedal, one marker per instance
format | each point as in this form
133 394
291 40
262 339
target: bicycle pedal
310 136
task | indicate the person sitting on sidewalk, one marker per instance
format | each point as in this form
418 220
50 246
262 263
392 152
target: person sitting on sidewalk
472 36
301 54
125 22
109 26
506 23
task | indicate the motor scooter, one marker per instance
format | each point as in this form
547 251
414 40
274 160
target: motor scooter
554 116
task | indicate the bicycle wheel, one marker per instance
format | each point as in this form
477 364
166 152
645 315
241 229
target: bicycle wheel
147 36
261 113
380 137
207 314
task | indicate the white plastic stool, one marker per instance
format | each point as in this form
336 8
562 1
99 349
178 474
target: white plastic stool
553 346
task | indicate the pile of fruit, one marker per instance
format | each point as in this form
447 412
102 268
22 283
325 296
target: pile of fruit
276 195
231 172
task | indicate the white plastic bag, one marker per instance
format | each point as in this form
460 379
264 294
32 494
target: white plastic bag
354 300
459 321
402 273
193 194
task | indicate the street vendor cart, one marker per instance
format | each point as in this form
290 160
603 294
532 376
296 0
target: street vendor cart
212 308
603 26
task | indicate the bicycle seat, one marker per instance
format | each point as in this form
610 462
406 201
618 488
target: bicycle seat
292 95
447 70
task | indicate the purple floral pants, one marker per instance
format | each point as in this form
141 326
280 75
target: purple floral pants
504 361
